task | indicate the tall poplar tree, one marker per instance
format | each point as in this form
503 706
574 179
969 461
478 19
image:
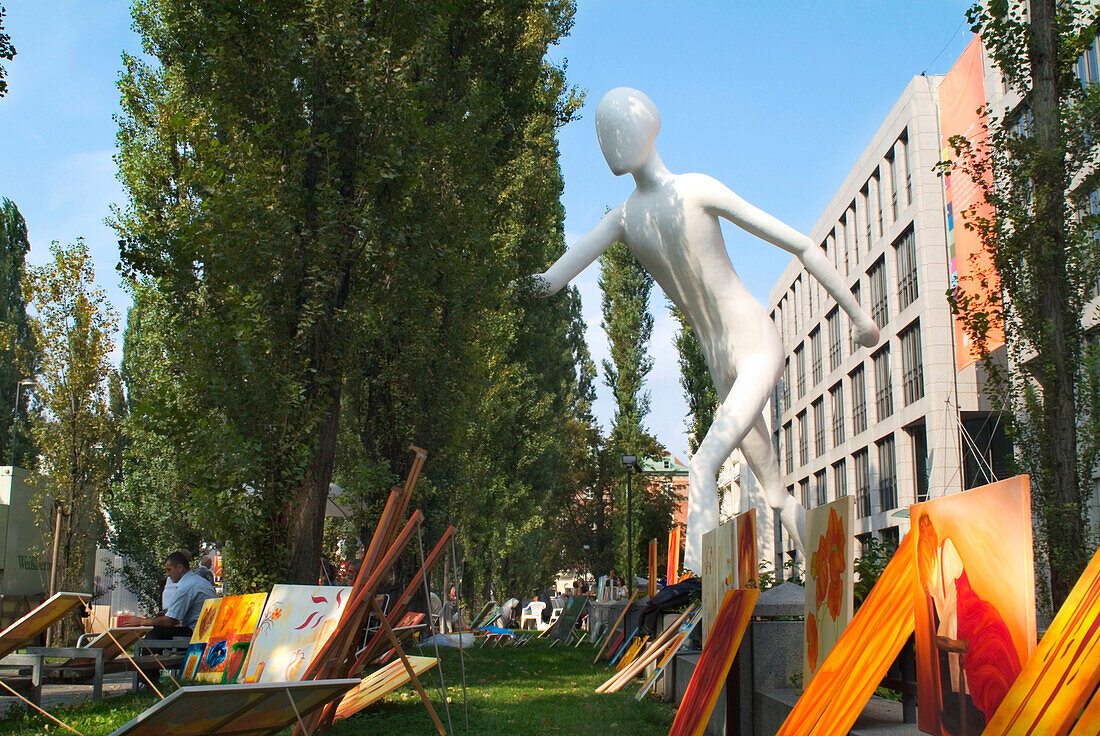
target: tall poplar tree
17 345
1038 173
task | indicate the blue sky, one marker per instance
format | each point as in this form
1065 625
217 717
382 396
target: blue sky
777 100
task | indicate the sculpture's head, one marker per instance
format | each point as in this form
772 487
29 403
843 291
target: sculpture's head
626 124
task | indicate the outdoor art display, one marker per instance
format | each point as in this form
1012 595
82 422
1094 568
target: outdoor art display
670 223
975 603
1062 673
729 552
847 678
230 636
829 580
379 684
295 621
684 632
652 589
197 647
710 672
241 710
672 572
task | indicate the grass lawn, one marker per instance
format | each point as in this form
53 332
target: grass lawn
531 690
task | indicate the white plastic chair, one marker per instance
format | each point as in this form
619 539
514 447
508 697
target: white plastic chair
532 612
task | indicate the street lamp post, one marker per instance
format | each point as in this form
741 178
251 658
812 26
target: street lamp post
631 463
15 416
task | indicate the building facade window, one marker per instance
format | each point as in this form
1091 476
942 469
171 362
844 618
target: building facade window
918 438
833 322
788 447
800 370
815 355
836 404
859 400
880 304
1088 64
883 198
819 427
803 439
865 199
850 225
906 158
804 491
821 488
840 479
892 168
887 473
884 390
787 385
906 251
857 294
863 487
912 364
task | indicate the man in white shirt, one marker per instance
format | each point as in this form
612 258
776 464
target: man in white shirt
192 591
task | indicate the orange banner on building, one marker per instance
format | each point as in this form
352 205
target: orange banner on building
961 100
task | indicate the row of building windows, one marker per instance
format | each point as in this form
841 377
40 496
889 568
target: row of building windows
872 493
912 390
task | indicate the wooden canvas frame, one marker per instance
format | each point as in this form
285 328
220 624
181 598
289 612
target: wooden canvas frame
38 619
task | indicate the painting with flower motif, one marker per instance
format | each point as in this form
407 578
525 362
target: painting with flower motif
237 618
829 580
974 603
197 646
295 621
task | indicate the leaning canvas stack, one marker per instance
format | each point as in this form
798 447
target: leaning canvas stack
294 656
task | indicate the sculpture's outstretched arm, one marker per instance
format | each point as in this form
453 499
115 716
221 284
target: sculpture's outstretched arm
724 203
583 252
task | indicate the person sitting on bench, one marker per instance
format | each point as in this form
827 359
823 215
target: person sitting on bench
192 590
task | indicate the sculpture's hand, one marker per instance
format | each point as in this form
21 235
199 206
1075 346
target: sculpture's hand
865 330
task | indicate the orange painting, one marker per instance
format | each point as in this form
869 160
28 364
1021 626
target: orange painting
673 571
748 570
829 580
1062 674
197 647
975 603
848 677
235 622
710 673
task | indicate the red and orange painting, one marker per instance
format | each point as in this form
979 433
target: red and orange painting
829 580
748 571
974 604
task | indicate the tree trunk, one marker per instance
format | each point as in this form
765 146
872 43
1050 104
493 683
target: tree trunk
306 517
1064 528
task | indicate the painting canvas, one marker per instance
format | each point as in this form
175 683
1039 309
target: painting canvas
379 684
974 605
235 621
719 570
829 580
296 619
197 647
38 619
709 676
748 569
847 678
1062 673
241 710
672 573
678 641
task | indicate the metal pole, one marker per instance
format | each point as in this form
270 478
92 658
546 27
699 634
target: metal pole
629 535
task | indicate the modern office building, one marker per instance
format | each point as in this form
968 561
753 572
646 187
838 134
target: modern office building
899 422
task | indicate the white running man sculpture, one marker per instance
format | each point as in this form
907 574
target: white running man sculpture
670 223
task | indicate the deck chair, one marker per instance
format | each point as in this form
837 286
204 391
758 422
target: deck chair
562 632
27 677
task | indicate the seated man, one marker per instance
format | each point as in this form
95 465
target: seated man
192 590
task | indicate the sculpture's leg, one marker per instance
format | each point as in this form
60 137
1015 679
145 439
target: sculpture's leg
760 456
733 420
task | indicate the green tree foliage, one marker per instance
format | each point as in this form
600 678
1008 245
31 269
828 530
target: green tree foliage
74 325
1037 172
330 199
148 500
702 399
20 356
7 51
625 288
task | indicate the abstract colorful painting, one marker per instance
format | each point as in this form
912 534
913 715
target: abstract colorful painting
847 678
38 619
237 618
1062 673
241 710
379 684
672 573
197 648
710 672
829 580
748 571
296 619
974 605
